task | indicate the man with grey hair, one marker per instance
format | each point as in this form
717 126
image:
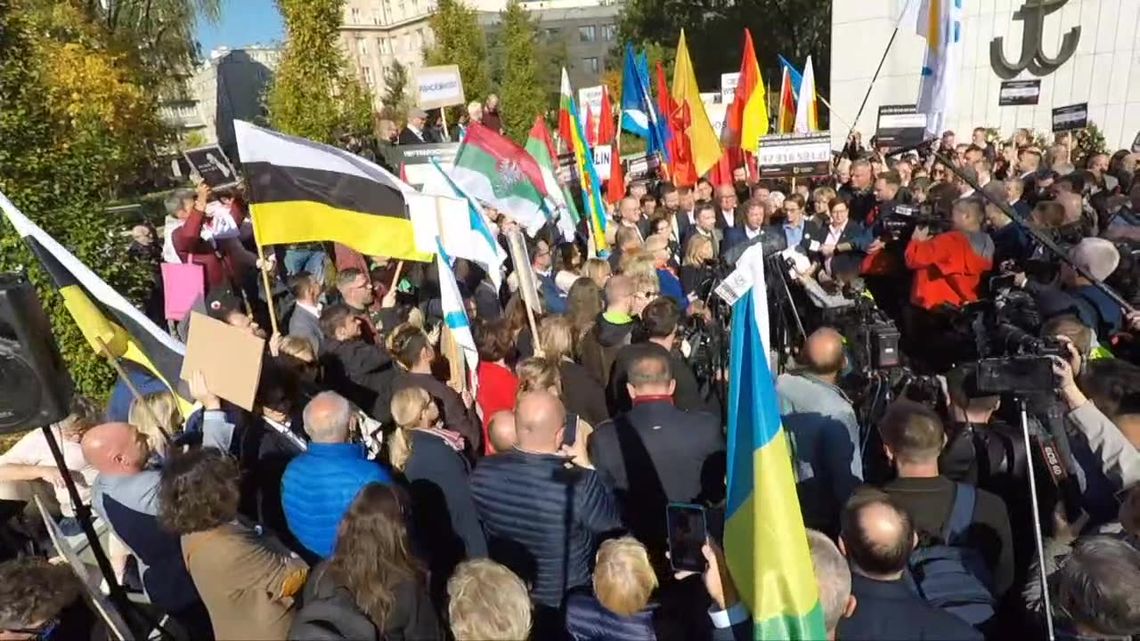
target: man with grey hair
1096 591
492 119
413 133
833 574
320 484
475 111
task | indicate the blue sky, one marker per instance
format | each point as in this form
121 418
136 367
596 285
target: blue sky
243 22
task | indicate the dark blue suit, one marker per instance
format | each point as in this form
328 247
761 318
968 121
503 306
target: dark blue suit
733 236
890 611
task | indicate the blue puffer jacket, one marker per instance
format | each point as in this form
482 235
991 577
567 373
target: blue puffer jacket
319 485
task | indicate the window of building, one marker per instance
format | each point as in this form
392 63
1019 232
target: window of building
586 33
552 34
402 10
368 78
361 47
380 42
609 32
591 64
355 13
376 17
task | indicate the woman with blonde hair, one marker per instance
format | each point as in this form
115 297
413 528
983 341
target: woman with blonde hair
597 270
620 607
542 374
696 274
158 418
444 518
487 602
582 394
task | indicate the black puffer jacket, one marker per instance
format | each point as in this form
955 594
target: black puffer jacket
601 343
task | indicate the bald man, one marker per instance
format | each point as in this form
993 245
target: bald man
501 431
125 495
823 426
877 536
544 511
726 202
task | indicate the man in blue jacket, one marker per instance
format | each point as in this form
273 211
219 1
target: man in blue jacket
543 507
319 485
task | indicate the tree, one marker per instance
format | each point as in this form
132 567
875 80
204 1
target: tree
76 121
521 88
313 94
395 88
459 41
715 34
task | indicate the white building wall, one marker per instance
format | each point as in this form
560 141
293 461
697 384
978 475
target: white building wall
1104 71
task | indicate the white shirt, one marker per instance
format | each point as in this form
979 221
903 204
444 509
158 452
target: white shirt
749 234
33 449
729 217
315 311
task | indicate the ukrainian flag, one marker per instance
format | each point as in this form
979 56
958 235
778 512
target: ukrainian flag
765 543
591 185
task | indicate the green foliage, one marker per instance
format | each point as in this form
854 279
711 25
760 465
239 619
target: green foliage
521 87
62 159
1087 142
715 34
395 96
459 41
313 94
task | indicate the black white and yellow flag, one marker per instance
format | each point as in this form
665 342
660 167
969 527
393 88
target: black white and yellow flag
303 191
102 314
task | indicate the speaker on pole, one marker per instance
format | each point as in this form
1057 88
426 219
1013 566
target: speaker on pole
35 387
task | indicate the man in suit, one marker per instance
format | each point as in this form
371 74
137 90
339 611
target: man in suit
305 322
629 215
414 133
726 217
755 214
802 234
705 225
655 454
877 536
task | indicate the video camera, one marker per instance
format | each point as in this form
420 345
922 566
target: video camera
901 220
1012 359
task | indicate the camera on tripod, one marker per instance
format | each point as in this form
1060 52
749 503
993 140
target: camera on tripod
1026 364
901 220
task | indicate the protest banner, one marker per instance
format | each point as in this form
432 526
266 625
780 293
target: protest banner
603 155
728 82
1071 117
589 102
417 159
436 87
233 378
212 165
900 126
1019 92
640 166
794 155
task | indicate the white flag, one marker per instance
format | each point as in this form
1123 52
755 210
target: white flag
940 23
454 313
807 118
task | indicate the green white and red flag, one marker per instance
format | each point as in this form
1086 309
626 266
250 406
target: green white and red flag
495 170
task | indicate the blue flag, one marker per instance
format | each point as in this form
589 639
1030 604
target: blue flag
797 77
638 112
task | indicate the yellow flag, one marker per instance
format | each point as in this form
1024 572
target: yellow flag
693 122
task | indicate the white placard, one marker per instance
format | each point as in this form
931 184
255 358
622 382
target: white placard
716 111
728 83
603 157
589 103
438 87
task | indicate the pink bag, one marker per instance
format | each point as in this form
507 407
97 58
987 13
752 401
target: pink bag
182 284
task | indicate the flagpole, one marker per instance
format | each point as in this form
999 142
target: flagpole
268 289
105 351
879 69
396 277
448 344
443 121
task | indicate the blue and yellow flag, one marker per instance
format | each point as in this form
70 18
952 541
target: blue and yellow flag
765 543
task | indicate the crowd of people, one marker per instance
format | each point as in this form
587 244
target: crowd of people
374 494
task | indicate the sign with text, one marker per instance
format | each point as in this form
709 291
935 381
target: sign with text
211 164
795 155
436 87
567 171
1071 117
1019 92
640 166
603 157
900 126
416 159
728 82
716 110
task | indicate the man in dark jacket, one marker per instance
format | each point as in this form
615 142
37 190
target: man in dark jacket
656 454
611 331
877 537
913 437
656 336
542 514
361 372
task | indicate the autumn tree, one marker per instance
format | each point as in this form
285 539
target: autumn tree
78 120
314 95
459 41
521 87
395 96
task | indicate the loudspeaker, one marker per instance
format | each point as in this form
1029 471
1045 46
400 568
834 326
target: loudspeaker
35 387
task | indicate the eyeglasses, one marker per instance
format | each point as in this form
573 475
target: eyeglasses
646 294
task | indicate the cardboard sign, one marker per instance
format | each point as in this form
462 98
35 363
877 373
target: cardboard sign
900 126
229 357
603 155
100 603
182 284
212 165
794 155
1019 92
1071 117
416 159
436 87
728 82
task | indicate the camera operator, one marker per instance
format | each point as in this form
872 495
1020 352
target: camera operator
883 268
1077 294
948 271
979 445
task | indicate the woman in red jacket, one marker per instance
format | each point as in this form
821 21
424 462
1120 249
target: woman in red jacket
498 384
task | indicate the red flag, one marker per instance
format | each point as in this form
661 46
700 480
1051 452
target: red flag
615 188
606 131
539 132
747 117
681 164
591 128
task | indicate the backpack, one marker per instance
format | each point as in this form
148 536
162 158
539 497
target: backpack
950 577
